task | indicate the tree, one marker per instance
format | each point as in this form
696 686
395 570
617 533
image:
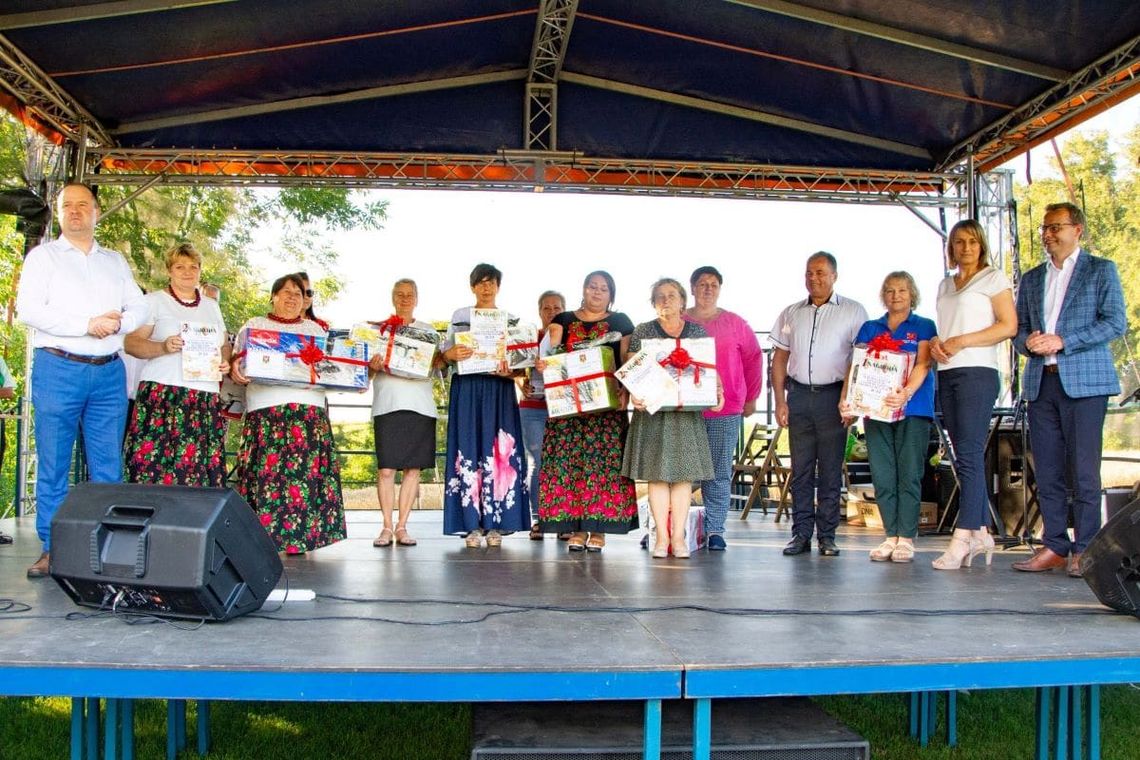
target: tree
222 223
1110 197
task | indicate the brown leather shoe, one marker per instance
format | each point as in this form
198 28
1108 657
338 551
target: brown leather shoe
42 567
1075 566
1046 559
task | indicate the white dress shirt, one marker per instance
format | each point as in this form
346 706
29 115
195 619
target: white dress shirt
818 338
1056 285
62 288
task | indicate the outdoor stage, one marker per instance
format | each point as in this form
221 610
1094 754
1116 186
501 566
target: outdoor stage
530 621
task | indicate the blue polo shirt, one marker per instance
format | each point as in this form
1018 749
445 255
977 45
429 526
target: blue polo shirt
911 331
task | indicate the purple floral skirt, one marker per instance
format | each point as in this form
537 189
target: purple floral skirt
176 436
288 472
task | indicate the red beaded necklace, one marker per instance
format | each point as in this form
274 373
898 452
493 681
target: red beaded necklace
274 318
188 304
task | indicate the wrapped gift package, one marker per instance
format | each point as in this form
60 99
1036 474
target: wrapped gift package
694 531
406 352
580 382
691 362
873 375
275 357
487 338
345 366
522 345
647 381
232 397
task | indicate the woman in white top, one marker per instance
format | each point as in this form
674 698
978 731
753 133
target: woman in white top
403 420
975 314
287 469
176 432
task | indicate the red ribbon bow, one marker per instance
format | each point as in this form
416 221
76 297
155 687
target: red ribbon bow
390 325
883 342
679 358
311 354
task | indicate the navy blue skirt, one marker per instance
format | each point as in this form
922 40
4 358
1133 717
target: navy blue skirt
485 480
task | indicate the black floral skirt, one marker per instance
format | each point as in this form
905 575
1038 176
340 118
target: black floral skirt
176 436
288 472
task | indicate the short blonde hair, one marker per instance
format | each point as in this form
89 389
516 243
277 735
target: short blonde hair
181 250
910 285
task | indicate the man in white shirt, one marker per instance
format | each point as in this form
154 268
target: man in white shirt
812 340
81 299
1068 311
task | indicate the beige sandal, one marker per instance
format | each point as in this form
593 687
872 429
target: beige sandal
494 538
883 552
384 539
403 539
904 552
474 539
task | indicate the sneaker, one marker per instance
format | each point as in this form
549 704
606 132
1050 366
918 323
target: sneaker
716 543
474 539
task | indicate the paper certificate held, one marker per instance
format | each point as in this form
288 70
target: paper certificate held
201 351
487 338
648 381
875 373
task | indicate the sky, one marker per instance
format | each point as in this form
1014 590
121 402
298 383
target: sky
551 240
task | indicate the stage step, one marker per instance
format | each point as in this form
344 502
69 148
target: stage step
742 729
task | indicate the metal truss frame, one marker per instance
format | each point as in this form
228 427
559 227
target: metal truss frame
551 36
533 171
44 100
1095 88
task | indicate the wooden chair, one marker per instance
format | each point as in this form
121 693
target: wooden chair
762 468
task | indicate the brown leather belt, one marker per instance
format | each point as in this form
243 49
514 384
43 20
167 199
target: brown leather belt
96 360
1051 369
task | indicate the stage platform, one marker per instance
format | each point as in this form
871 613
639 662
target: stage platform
530 621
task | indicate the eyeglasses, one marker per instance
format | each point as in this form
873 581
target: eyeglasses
309 293
1053 229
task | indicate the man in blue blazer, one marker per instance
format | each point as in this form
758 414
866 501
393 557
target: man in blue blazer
1068 310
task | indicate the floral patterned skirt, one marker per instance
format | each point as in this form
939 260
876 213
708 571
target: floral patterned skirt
581 487
176 436
485 479
287 471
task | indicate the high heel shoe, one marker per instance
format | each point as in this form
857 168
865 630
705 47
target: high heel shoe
961 552
983 542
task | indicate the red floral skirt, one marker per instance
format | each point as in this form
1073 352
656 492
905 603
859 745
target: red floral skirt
288 472
176 436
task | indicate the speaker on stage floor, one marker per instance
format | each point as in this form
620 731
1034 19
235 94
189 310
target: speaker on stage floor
1111 562
171 551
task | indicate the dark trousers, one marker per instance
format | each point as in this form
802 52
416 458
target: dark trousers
897 452
817 438
1066 434
966 399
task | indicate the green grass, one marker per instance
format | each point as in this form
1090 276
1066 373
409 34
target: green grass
991 724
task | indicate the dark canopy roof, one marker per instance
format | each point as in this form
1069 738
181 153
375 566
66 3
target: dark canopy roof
898 85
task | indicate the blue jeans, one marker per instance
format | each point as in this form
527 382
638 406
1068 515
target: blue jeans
966 399
723 433
66 395
533 428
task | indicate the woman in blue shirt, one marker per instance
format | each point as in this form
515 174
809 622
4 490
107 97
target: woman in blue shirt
897 450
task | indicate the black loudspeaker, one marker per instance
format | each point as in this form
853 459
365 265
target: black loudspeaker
1111 563
171 551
